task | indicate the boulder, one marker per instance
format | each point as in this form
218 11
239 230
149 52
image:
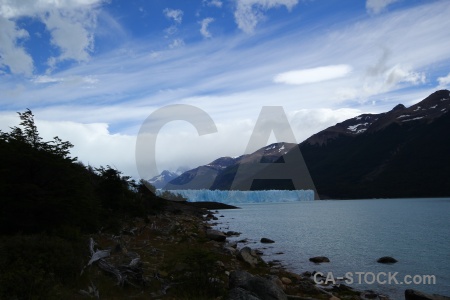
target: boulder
249 256
387 260
267 241
308 287
286 280
411 294
230 250
319 259
215 235
263 288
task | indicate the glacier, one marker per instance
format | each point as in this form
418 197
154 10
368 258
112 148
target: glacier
236 197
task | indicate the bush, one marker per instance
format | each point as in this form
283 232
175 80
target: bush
37 266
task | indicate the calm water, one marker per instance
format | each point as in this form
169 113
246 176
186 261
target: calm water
353 234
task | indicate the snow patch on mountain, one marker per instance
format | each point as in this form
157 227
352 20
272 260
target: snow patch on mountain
418 118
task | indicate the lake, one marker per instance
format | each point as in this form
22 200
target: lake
353 234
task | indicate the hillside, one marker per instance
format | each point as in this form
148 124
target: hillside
401 153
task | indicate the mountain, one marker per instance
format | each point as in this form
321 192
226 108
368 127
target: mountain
159 181
400 153
429 109
215 175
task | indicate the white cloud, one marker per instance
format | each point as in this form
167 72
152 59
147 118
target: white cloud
12 55
444 82
377 6
176 43
70 23
216 3
383 79
72 80
174 14
313 75
398 74
204 27
250 12
72 32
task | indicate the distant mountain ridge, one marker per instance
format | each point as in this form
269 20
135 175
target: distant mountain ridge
160 181
404 152
210 176
432 107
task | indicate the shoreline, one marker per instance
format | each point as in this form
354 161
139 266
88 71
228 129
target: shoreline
363 293
177 254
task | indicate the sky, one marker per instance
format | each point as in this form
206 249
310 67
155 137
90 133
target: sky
92 71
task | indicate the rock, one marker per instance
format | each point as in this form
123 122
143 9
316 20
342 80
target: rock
307 274
220 264
233 233
230 250
232 245
319 259
387 260
411 294
215 235
264 289
267 241
308 287
258 252
286 280
277 281
245 254
370 295
241 294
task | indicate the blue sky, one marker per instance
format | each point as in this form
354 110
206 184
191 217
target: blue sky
93 70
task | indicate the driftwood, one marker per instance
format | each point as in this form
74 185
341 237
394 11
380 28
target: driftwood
125 273
91 292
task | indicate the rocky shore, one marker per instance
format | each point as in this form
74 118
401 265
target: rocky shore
178 255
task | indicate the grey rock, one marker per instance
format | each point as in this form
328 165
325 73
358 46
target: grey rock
267 241
319 259
215 235
233 233
263 288
230 250
308 287
249 256
386 260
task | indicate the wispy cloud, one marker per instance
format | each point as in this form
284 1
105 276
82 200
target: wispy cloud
216 3
204 27
174 14
313 75
444 82
249 13
377 6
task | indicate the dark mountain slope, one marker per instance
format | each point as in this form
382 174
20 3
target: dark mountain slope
403 153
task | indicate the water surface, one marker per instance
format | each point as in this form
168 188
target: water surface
353 234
